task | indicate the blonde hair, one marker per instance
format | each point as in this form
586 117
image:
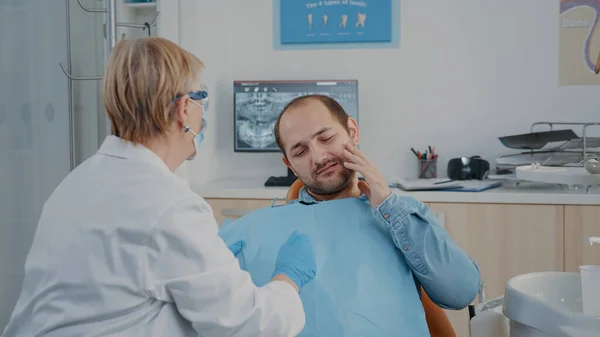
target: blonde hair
142 78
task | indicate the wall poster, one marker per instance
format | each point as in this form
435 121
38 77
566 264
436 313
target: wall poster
335 21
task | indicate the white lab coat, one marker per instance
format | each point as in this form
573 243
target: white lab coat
124 248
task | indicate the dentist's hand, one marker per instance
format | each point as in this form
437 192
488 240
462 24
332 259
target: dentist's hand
374 187
237 247
296 260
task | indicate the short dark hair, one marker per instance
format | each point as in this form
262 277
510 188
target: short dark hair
336 110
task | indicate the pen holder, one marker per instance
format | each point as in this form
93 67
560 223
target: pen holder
427 168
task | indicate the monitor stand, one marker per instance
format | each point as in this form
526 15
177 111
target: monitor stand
282 181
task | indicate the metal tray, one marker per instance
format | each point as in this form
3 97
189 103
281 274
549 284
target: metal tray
537 140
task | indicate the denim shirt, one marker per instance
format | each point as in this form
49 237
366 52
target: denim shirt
449 276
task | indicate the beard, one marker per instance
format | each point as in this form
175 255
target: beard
329 183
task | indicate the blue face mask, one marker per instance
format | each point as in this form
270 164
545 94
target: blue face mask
202 96
198 137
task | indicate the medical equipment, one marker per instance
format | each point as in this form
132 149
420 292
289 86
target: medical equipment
578 176
592 165
558 175
488 320
548 304
362 279
257 105
544 304
590 285
561 147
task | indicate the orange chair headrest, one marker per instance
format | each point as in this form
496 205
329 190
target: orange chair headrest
294 190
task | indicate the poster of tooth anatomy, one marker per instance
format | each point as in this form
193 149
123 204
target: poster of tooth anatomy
579 42
331 21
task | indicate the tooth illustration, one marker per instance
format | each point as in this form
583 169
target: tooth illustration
361 17
325 20
344 20
310 21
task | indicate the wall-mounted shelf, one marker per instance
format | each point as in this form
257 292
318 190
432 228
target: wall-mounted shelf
140 4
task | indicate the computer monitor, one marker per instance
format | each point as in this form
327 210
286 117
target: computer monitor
257 104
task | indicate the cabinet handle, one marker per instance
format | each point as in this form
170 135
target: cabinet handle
442 219
232 212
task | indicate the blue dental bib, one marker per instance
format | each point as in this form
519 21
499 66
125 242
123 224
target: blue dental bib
363 286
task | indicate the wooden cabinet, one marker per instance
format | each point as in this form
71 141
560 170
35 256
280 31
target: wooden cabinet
581 222
505 240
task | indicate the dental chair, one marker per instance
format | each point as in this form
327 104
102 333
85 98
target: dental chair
437 320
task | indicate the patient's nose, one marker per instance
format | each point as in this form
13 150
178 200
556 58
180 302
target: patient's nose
319 154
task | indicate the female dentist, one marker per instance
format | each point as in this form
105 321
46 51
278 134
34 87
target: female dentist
123 246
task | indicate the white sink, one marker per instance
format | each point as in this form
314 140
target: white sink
548 304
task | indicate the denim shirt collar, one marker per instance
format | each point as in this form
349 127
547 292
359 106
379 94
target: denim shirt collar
305 197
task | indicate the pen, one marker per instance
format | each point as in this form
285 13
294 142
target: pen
415 152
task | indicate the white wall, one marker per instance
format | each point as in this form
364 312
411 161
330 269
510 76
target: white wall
465 73
34 129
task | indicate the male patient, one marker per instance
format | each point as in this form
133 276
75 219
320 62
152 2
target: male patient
318 140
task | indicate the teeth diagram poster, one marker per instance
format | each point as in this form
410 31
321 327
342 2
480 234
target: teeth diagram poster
332 21
579 42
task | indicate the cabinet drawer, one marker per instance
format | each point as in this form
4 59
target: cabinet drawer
581 222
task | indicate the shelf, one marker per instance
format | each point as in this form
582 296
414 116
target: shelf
140 4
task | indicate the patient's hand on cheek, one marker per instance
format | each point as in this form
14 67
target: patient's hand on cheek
375 186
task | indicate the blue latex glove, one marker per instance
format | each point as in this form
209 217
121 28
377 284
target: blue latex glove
296 259
236 248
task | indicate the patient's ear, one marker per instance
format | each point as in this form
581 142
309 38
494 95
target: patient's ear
287 163
354 131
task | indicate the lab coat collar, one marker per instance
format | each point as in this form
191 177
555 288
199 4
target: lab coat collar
117 147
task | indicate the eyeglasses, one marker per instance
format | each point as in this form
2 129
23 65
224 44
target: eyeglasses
200 95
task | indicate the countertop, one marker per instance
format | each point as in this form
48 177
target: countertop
509 193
